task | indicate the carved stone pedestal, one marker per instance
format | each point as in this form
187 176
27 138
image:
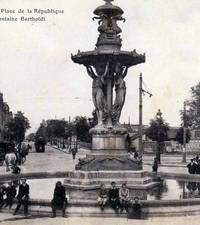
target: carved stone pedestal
112 162
108 138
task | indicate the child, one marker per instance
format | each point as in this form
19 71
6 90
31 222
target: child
103 197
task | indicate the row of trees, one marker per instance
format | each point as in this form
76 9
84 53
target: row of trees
62 129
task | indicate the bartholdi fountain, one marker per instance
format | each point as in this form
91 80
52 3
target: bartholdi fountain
108 65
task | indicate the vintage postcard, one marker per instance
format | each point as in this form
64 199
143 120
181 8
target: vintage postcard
99 112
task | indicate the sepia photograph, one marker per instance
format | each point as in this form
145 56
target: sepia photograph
99 112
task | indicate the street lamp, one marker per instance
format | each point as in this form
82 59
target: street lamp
184 132
142 92
159 118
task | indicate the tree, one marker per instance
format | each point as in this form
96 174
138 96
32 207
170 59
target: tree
56 129
158 131
192 116
179 136
82 128
17 127
30 137
41 131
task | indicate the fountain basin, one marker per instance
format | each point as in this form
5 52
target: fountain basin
126 58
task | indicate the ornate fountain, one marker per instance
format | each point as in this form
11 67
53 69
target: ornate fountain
108 65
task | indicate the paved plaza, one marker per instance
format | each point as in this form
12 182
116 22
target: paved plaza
56 160
9 220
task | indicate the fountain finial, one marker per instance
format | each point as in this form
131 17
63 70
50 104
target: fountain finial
108 1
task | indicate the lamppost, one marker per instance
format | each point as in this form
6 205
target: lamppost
140 130
184 133
159 119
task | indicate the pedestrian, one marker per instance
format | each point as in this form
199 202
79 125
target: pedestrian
23 152
136 155
113 197
136 210
192 166
103 196
198 167
155 165
74 151
2 193
10 194
124 198
59 200
18 153
197 159
23 197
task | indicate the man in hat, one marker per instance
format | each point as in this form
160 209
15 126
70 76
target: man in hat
23 197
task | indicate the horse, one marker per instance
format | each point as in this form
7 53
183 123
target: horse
10 160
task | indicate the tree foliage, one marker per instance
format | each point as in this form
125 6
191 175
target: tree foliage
180 133
17 127
158 130
192 115
56 128
59 128
82 128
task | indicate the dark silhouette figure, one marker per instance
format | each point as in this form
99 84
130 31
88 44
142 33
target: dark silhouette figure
2 192
59 199
113 197
136 210
10 194
192 166
155 165
23 197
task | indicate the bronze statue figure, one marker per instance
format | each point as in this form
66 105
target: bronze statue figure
98 95
120 92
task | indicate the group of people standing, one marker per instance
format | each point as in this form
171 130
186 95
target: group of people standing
119 199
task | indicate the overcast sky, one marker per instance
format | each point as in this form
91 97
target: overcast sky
39 78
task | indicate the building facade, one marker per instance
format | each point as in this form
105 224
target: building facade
5 116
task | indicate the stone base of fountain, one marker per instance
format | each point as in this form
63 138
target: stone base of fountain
86 185
108 162
113 138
